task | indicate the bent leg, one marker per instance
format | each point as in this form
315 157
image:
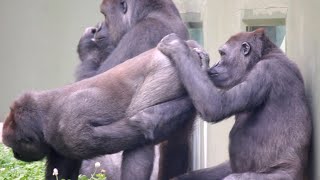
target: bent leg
149 126
137 164
215 173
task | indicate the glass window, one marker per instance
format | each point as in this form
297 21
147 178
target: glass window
275 33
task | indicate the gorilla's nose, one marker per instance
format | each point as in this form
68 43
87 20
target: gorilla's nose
93 30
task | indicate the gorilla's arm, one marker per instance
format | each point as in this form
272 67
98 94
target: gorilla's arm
86 69
149 126
208 100
140 38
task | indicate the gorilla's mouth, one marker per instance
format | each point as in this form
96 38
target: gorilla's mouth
17 155
98 38
213 73
25 158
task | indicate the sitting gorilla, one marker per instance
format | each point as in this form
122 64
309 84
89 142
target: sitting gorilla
255 81
131 28
105 114
91 53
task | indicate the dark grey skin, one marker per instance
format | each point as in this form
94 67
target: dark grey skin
256 82
105 114
130 28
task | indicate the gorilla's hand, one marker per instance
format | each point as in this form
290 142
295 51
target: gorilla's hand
203 55
89 33
204 58
173 47
87 45
176 49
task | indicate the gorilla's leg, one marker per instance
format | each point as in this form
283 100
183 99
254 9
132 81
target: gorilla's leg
149 126
176 152
276 175
137 164
215 173
67 168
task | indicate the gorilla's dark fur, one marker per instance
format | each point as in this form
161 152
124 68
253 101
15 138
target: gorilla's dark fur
130 28
264 89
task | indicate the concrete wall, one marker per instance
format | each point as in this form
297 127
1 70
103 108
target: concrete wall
303 47
38 40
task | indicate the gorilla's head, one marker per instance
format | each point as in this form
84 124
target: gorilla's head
238 55
117 14
22 131
122 15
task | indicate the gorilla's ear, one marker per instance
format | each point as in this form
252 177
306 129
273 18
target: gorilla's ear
260 32
245 48
124 6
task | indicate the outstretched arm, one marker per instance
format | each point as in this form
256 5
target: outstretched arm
214 104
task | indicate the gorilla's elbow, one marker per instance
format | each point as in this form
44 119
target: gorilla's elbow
211 115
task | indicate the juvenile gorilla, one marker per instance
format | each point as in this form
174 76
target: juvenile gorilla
130 28
264 89
105 114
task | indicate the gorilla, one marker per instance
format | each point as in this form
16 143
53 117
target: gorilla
255 81
105 114
130 28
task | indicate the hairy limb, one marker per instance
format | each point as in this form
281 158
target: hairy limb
176 152
207 99
137 164
67 168
149 126
278 175
215 173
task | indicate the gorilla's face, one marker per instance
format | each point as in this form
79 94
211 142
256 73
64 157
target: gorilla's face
117 15
233 65
24 137
28 151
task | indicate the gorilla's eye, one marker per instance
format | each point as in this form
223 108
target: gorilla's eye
245 48
124 6
222 53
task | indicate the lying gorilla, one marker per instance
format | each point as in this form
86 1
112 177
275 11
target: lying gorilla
101 115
